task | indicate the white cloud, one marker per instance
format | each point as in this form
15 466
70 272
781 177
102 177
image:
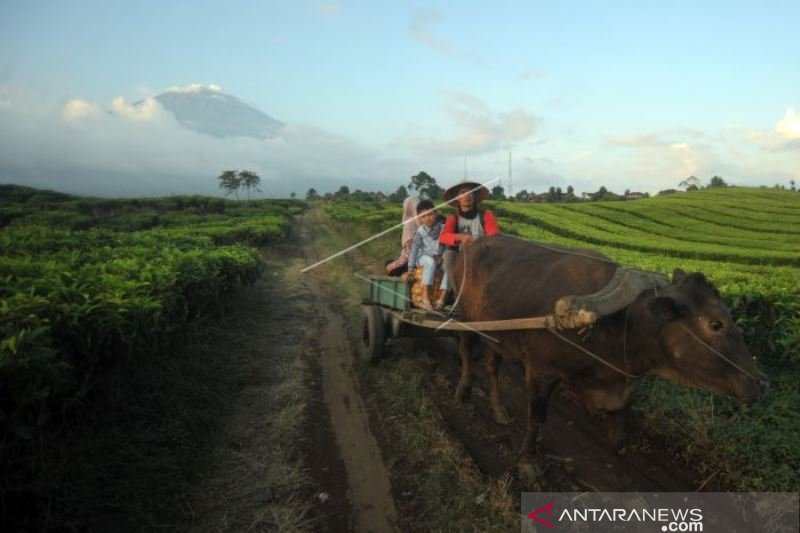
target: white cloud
530 74
193 88
785 136
420 30
146 111
657 138
141 150
481 129
789 127
77 109
329 8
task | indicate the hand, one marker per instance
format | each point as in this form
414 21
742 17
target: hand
408 276
466 238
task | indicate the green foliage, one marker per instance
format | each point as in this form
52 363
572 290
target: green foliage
747 241
425 185
86 281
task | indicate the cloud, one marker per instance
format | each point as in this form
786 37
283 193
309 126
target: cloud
141 150
789 127
146 111
479 129
530 74
193 88
77 109
420 30
785 136
329 9
657 138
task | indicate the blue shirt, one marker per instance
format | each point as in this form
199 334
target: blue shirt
426 242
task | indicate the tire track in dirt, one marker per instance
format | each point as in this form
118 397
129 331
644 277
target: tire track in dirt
367 475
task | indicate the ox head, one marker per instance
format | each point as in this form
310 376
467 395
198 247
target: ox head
700 343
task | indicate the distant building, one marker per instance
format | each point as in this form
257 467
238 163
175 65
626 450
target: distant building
635 195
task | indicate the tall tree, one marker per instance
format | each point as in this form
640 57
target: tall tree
498 193
230 182
399 195
343 193
688 182
422 183
250 181
717 181
312 194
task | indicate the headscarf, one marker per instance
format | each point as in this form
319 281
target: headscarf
410 215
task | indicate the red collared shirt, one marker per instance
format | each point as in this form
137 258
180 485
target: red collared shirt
448 235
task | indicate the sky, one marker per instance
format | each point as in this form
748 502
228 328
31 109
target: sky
627 95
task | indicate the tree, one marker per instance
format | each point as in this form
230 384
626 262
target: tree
551 195
343 193
717 181
250 181
422 183
688 182
498 193
312 194
293 195
399 195
434 192
230 182
523 195
791 182
570 190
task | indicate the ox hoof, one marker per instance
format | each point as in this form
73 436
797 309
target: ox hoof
500 415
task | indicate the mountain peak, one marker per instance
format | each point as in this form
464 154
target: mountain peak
207 110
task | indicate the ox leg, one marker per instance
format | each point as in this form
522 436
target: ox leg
615 421
493 360
538 399
467 341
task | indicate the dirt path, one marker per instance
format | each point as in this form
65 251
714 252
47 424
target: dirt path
368 478
578 455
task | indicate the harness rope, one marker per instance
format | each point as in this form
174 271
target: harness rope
625 330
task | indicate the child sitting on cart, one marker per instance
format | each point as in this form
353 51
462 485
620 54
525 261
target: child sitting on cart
426 251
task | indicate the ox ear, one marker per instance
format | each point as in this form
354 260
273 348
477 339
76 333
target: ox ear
678 276
664 308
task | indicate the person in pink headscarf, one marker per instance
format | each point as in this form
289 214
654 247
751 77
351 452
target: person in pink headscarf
410 225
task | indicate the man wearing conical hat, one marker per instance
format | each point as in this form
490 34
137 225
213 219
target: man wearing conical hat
467 224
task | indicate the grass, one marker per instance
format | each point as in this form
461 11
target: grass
208 439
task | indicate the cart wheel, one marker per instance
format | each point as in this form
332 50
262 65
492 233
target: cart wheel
373 334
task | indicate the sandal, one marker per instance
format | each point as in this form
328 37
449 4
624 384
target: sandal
439 305
425 304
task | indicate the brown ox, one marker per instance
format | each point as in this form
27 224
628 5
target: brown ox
673 334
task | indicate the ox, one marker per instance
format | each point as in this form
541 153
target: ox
682 333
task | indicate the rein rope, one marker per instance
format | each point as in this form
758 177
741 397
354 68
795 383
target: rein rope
719 354
625 330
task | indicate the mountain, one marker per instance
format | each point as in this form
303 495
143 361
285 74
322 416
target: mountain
212 112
